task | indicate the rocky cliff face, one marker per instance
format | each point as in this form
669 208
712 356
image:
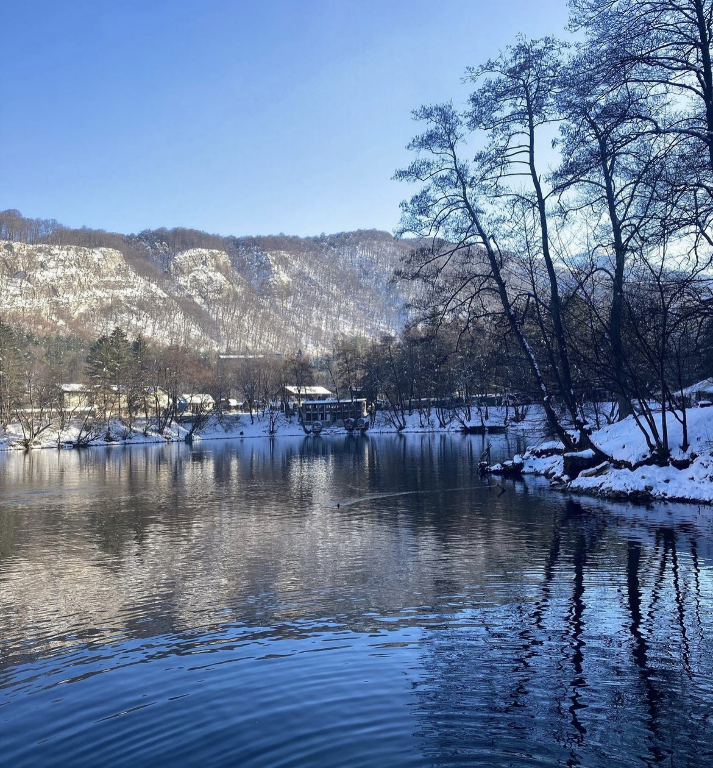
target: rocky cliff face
278 293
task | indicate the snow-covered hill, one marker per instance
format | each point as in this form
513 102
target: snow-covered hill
278 293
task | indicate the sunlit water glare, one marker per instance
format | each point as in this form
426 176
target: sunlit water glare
356 601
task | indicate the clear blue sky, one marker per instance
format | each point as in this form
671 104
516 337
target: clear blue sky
230 116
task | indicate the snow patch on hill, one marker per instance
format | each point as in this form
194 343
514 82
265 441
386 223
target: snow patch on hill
77 288
273 299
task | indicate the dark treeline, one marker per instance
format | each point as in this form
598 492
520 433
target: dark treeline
593 270
371 251
64 381
442 373
159 245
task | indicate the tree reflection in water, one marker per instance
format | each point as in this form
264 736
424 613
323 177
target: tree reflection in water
521 628
584 680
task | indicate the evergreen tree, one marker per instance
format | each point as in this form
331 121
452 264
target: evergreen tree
10 373
108 367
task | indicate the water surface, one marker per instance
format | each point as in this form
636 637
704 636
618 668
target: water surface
354 601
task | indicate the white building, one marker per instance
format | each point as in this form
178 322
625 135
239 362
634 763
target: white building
196 403
298 394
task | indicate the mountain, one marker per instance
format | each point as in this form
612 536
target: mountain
186 287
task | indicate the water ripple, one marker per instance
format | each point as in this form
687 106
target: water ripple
208 607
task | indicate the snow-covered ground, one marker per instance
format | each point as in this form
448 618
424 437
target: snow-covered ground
230 426
118 433
422 422
624 475
627 475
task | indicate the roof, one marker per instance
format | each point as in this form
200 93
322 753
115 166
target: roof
333 400
702 386
307 391
73 387
197 398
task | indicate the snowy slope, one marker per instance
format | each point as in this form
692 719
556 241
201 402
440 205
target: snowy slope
276 294
92 290
625 442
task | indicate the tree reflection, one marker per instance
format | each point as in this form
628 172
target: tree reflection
508 668
552 630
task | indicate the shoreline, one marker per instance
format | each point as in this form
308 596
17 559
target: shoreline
622 469
230 427
625 475
630 485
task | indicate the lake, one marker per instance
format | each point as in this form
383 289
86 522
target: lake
344 601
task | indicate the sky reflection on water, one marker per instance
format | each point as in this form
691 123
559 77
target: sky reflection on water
212 605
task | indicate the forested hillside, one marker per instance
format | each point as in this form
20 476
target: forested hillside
190 288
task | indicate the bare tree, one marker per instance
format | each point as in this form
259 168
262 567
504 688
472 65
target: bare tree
663 45
34 412
465 266
609 185
10 374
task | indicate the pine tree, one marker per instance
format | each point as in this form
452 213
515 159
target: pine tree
108 364
10 374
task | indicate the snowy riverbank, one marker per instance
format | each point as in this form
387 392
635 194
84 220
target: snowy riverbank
118 433
627 472
231 426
